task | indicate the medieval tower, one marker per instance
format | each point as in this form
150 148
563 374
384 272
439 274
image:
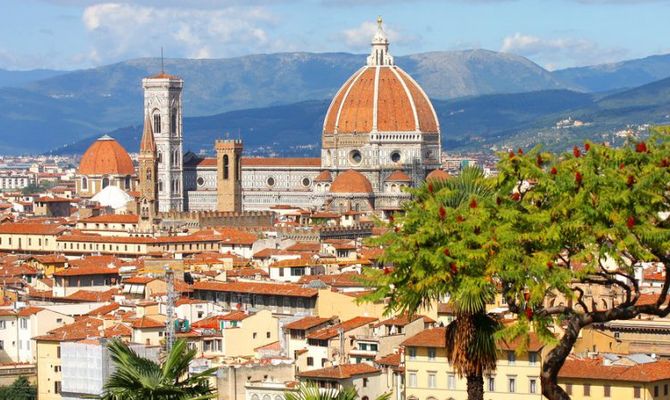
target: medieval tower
163 105
147 174
229 175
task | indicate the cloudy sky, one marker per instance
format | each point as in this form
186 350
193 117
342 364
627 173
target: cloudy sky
71 34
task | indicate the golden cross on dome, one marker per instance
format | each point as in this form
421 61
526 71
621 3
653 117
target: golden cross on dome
379 21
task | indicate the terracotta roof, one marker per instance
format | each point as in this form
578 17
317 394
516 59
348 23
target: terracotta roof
27 311
163 75
438 175
434 337
305 246
351 279
106 156
47 199
83 328
274 346
398 176
106 309
51 258
117 330
402 320
401 104
324 176
534 343
113 219
392 360
594 369
85 267
307 323
147 323
31 229
351 181
257 288
344 371
280 162
201 162
92 296
138 280
346 326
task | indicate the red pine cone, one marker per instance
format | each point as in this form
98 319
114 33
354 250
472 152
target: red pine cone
587 146
447 252
550 264
516 196
665 163
460 219
641 147
387 270
576 152
396 229
622 166
430 187
630 181
473 203
631 222
453 268
529 313
520 151
578 177
443 213
553 171
511 154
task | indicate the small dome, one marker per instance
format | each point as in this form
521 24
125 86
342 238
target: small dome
324 176
351 182
438 175
112 196
398 176
106 157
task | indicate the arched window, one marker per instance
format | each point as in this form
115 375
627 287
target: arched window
175 162
127 182
238 168
225 166
105 182
159 157
160 185
84 183
173 121
157 123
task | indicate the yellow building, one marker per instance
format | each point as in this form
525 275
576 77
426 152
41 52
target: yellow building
616 377
29 237
428 375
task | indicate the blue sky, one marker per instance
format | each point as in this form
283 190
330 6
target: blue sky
71 34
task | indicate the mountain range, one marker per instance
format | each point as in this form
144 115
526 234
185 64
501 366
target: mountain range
282 98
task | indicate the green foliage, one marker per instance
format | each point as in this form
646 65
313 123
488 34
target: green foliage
20 389
311 391
138 378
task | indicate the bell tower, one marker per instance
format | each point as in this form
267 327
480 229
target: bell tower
229 175
163 105
147 173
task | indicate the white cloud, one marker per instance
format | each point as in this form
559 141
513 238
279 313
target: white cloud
120 30
560 52
358 38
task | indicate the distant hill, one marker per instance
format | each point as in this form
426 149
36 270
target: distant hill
18 78
624 74
98 100
295 129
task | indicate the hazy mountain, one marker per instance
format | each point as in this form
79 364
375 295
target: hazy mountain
17 78
295 129
624 74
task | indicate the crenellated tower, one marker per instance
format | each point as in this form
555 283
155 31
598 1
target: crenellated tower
163 105
229 175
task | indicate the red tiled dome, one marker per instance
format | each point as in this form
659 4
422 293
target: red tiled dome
106 157
398 176
351 182
380 98
438 175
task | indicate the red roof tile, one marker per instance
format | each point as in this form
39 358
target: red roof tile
307 323
594 369
280 162
257 288
344 371
147 323
346 326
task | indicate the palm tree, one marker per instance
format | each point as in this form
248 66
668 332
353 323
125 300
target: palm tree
471 347
137 378
311 391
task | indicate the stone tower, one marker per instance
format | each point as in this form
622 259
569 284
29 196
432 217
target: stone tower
163 105
229 175
147 173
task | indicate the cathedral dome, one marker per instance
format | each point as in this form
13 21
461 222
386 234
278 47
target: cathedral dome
106 157
380 97
351 182
437 175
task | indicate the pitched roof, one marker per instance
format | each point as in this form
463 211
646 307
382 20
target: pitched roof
344 371
307 323
26 228
434 337
392 360
595 369
147 323
80 329
27 311
404 319
257 288
112 219
398 176
148 144
346 326
280 162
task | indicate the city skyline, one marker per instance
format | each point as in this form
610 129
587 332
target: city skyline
555 35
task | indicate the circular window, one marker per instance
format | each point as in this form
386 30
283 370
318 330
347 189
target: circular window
355 157
200 181
306 182
271 181
395 156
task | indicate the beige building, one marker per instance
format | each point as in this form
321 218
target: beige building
29 237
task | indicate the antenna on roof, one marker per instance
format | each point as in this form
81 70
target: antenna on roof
162 65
